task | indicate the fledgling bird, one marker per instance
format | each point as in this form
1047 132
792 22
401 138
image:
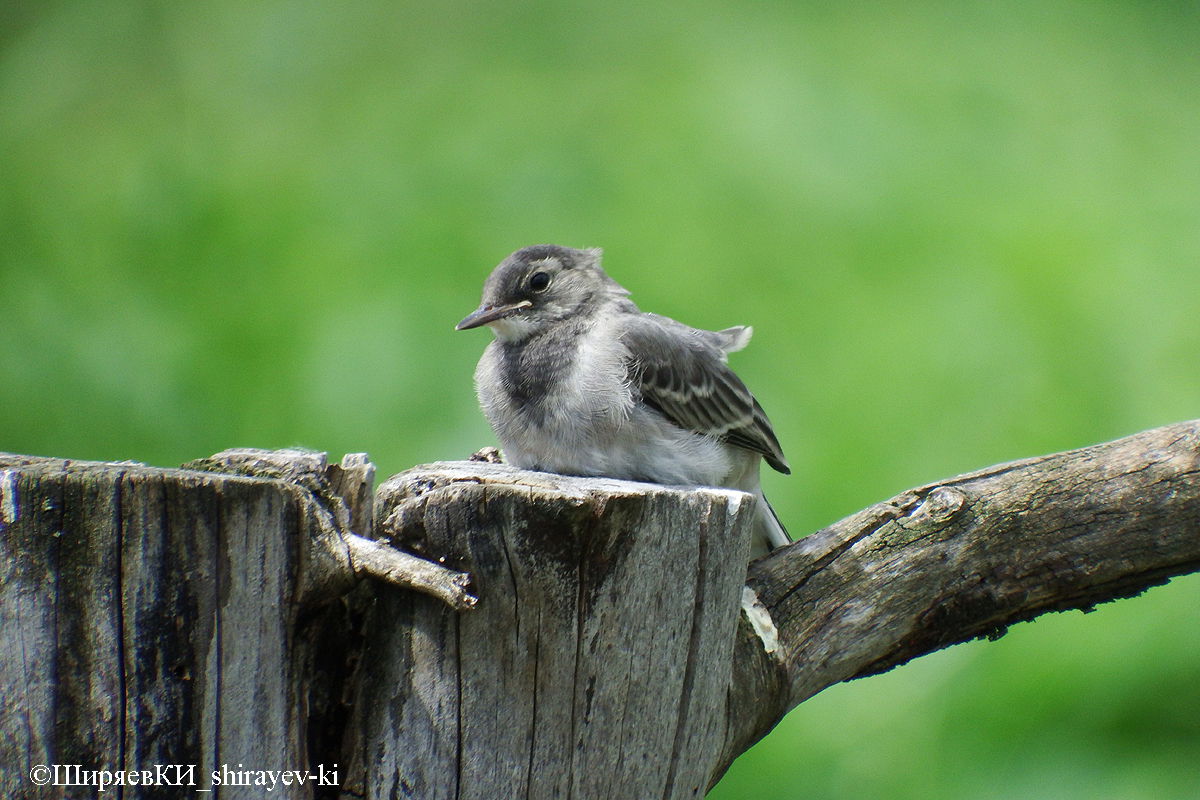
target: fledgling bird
578 381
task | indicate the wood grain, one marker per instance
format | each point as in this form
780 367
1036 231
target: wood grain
619 646
597 661
966 557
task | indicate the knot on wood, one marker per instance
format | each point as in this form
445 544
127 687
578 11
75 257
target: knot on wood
940 505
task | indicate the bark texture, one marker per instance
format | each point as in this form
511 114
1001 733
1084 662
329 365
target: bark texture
148 617
597 662
965 558
618 647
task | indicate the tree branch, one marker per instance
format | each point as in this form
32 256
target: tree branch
602 659
965 558
343 543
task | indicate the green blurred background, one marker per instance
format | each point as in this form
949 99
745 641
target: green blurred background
965 232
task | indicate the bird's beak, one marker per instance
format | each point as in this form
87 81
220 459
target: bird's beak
487 314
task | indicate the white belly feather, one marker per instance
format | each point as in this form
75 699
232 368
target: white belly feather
597 428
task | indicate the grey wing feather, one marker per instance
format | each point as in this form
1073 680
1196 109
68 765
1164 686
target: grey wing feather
681 371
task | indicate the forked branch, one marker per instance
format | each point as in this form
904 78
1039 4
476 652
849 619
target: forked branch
965 558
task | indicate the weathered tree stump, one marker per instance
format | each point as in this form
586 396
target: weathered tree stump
173 630
598 661
150 621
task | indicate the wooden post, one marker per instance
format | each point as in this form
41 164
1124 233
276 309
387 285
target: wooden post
186 626
151 623
597 662
171 631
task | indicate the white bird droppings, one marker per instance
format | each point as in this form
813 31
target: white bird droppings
8 497
760 619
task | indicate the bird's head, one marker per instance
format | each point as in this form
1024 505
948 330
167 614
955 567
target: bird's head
538 286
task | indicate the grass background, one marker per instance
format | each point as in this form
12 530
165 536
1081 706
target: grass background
965 232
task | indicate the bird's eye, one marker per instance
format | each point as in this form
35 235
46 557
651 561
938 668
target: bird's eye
538 281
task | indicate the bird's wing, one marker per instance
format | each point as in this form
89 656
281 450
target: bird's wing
681 371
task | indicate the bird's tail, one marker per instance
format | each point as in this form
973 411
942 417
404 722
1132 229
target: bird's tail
769 532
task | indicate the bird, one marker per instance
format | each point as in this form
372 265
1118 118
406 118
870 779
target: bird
578 381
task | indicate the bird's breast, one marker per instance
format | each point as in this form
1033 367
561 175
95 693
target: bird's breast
534 375
570 407
554 396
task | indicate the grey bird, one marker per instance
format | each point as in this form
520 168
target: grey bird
578 381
